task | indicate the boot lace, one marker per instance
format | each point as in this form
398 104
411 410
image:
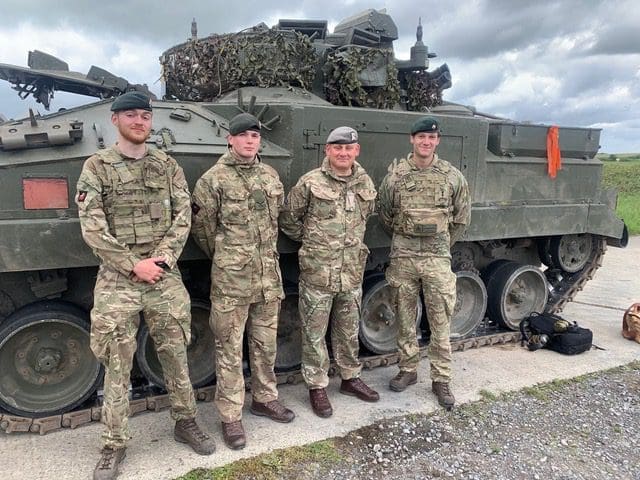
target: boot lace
276 406
234 428
191 427
443 389
107 460
321 394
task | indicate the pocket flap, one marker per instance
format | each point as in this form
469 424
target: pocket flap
367 195
236 194
426 221
233 258
275 191
323 193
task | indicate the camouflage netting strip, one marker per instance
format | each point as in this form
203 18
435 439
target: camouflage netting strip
202 70
422 91
343 85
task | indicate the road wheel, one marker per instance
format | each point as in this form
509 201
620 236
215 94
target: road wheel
571 253
471 303
200 352
514 292
378 324
46 364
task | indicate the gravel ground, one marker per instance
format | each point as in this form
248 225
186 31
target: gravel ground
584 428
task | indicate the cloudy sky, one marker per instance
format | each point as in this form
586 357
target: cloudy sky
566 62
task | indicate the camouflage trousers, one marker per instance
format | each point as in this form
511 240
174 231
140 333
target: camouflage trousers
317 307
406 276
228 324
115 318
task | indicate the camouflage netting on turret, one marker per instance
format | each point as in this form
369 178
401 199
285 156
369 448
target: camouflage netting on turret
361 77
201 70
423 92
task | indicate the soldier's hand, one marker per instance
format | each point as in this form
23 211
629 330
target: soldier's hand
148 271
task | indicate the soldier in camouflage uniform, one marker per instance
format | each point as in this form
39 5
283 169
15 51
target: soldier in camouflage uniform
235 222
425 202
327 210
133 204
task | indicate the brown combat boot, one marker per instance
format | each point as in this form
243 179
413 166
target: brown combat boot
357 388
187 431
402 380
445 397
273 409
320 402
107 467
233 434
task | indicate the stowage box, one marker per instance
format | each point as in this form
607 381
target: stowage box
516 139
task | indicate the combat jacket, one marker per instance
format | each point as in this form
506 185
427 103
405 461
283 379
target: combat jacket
235 222
132 209
328 214
427 209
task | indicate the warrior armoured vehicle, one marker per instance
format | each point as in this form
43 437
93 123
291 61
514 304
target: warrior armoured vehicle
536 235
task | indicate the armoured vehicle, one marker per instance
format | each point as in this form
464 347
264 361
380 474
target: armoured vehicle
536 235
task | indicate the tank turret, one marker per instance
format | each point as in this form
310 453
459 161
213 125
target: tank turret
354 65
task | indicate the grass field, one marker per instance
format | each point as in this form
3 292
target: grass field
624 175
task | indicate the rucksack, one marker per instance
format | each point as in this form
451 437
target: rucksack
631 323
546 330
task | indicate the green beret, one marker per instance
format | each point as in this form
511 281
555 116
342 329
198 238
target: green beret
243 122
343 135
131 101
425 124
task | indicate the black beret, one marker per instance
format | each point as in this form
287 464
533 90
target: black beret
343 135
425 124
131 101
243 122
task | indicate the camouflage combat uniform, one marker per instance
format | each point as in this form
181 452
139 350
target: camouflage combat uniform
132 209
235 222
427 211
328 214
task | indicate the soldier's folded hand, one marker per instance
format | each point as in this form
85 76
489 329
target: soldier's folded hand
148 269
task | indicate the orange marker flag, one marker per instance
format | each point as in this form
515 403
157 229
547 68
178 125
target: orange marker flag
553 151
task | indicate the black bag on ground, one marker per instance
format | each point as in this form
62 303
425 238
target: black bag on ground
545 330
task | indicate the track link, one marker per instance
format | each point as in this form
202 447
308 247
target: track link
12 423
